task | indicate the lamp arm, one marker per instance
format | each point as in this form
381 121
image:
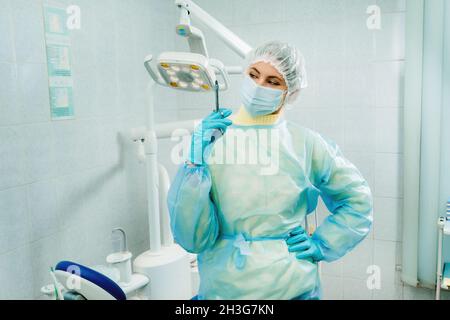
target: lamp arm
226 35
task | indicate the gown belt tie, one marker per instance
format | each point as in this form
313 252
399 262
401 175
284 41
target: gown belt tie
242 242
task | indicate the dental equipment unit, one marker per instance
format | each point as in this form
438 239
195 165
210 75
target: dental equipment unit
164 271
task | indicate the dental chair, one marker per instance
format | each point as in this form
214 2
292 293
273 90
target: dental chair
87 283
82 283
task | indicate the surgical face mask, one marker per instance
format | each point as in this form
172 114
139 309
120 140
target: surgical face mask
259 100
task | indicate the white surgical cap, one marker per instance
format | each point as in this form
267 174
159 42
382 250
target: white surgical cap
288 61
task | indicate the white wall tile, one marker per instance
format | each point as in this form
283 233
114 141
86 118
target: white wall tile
73 242
161 10
105 98
390 40
28 31
389 130
33 84
166 99
39 154
359 126
356 7
84 91
330 44
10 102
359 41
269 11
111 142
199 101
45 253
220 10
231 99
104 32
302 116
333 269
330 89
388 219
139 230
65 146
356 262
166 148
300 9
386 257
14 219
271 32
332 288
359 86
76 145
41 198
12 160
126 38
389 78
330 123
16 274
392 5
82 40
69 190
6 41
101 236
389 175
246 12
356 289
114 196
329 8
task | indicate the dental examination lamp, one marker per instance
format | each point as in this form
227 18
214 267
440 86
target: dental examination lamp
187 71
195 71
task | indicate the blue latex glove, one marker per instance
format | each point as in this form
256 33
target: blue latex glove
303 245
205 135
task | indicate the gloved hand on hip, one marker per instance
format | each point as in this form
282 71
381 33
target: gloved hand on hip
204 135
303 245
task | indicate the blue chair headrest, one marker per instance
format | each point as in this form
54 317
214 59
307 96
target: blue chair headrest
95 277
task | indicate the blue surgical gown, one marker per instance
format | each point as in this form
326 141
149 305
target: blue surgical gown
236 211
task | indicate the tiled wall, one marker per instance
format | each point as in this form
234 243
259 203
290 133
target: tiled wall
65 184
355 97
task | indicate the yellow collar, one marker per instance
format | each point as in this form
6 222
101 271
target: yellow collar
242 117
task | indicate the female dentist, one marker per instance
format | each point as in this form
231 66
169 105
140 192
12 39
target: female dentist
239 200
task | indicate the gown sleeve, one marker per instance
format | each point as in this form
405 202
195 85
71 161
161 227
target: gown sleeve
347 196
193 215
